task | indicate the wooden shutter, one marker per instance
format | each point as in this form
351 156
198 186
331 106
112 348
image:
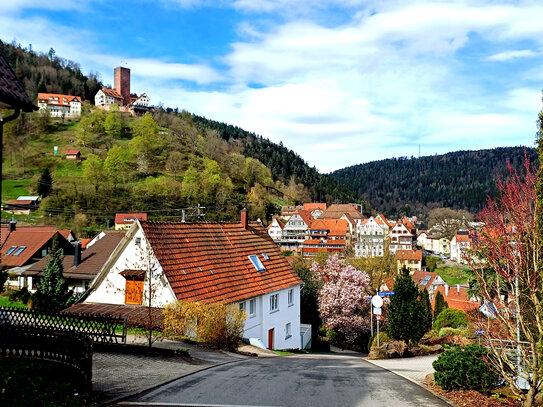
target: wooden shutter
133 292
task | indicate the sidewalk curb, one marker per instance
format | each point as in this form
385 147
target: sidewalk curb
415 382
119 399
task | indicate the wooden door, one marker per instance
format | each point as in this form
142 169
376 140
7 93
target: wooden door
270 338
133 293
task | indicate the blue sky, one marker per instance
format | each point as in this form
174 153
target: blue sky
340 82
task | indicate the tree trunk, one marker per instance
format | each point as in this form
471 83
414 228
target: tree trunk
530 398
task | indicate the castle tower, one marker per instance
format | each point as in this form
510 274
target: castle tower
122 83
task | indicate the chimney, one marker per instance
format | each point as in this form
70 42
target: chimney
122 83
12 224
244 222
77 254
446 290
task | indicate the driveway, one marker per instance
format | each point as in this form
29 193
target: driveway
299 380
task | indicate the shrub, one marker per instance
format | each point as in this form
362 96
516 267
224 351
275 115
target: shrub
450 317
383 338
218 325
449 331
465 368
22 295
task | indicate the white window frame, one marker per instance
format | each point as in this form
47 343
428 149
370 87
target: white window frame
290 297
274 303
288 330
257 263
242 306
252 307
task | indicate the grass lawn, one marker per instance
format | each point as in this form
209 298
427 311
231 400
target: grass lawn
6 302
452 275
12 189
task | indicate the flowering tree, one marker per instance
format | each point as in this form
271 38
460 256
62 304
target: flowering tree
505 262
344 299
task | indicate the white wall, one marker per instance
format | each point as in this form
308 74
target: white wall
112 289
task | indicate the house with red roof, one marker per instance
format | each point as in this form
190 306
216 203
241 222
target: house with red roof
457 297
326 235
296 230
59 105
371 236
73 154
316 208
123 221
232 263
428 280
275 229
412 259
461 243
403 235
24 246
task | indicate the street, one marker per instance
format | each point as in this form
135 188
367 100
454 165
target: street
297 380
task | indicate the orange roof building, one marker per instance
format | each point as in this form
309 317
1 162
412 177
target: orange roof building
123 221
208 263
412 259
457 297
60 105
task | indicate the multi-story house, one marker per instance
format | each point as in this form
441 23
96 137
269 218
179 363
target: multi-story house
328 236
461 243
316 208
371 233
296 230
433 243
121 96
412 259
275 229
59 105
403 236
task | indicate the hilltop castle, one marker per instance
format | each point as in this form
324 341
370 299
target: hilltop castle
120 95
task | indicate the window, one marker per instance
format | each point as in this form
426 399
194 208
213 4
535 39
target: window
288 330
11 249
266 257
242 306
274 302
138 241
256 262
19 250
252 308
291 297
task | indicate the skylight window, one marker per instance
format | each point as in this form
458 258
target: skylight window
19 250
427 278
256 262
423 282
11 249
266 257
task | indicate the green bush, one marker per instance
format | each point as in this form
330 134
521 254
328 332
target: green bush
22 295
465 368
449 331
383 338
452 318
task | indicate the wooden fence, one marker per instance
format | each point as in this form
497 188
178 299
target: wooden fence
99 328
69 349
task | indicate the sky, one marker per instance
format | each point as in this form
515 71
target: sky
340 82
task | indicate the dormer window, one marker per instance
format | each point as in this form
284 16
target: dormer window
256 262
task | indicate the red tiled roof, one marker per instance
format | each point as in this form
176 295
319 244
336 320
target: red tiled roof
418 278
85 242
306 216
317 205
19 202
45 98
208 262
73 152
111 92
336 211
383 219
281 225
33 239
409 255
335 227
121 218
457 299
463 238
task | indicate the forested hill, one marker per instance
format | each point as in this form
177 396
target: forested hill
460 180
48 73
284 164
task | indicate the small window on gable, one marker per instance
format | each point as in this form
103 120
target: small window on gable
138 241
19 250
11 249
256 262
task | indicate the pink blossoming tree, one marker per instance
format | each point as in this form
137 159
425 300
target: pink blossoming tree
343 299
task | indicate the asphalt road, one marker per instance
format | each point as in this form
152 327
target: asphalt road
304 380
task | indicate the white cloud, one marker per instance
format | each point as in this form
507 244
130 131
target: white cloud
510 55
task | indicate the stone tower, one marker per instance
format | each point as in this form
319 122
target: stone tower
122 83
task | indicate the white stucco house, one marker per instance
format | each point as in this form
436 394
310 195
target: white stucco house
275 229
371 233
402 235
233 263
296 230
59 105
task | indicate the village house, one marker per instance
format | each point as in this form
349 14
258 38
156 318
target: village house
21 246
316 209
372 233
457 297
288 210
460 244
233 263
433 243
296 230
120 95
23 205
328 236
123 221
428 280
402 235
412 259
81 267
73 154
59 105
275 229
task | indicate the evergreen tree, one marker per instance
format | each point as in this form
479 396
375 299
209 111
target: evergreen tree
52 291
404 309
45 183
440 304
425 312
